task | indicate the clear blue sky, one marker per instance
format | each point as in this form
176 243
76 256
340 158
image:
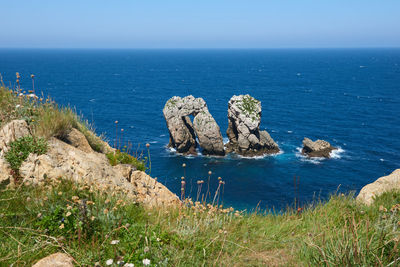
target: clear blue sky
199 24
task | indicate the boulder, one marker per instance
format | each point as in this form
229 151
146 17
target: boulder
11 132
383 184
245 137
318 148
183 132
78 140
55 260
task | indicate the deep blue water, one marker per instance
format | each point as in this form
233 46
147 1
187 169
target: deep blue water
350 98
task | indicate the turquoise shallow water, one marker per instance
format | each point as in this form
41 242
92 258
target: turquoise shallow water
350 98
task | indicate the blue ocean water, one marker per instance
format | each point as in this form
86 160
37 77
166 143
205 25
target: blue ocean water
349 97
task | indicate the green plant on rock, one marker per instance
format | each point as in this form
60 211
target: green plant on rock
249 105
21 148
119 157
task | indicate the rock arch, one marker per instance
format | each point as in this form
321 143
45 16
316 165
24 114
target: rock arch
183 131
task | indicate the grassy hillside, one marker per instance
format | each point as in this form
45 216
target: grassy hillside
94 227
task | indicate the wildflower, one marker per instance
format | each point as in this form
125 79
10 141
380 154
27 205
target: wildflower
107 201
17 106
105 211
68 214
119 263
92 218
60 193
146 262
32 76
116 122
61 226
69 207
114 242
146 249
184 165
129 265
147 145
75 198
39 215
109 262
158 239
28 199
209 172
89 202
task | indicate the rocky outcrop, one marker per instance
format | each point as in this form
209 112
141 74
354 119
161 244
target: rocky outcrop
245 137
65 161
55 260
183 132
318 148
11 132
76 139
380 186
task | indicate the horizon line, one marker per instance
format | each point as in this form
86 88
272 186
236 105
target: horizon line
203 48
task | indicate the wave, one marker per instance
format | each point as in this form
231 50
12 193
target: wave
316 160
337 153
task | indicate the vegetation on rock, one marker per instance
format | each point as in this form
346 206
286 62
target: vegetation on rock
21 148
119 157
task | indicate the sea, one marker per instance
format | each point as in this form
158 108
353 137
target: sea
348 97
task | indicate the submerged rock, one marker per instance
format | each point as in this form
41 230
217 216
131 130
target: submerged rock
245 137
318 148
183 132
380 186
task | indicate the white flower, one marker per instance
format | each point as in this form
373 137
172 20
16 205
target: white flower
129 265
114 242
146 262
146 249
17 106
20 94
32 95
109 262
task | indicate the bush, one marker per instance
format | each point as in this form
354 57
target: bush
124 158
21 148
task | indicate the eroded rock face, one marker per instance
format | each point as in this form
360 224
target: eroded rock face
65 161
245 137
11 132
183 132
380 186
55 260
318 148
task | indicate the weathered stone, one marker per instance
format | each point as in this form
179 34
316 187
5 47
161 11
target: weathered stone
245 137
384 184
183 132
55 260
11 132
150 192
65 161
319 148
209 134
76 139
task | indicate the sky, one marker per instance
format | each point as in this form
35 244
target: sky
199 24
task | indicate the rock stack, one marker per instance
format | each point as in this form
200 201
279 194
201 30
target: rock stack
245 137
183 131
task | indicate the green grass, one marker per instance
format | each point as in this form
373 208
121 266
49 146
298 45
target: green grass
119 157
82 221
21 148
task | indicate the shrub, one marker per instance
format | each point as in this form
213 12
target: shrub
124 158
21 148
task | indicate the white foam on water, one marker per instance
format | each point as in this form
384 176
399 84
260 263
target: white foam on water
162 135
316 160
290 131
225 140
153 142
337 153
381 159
